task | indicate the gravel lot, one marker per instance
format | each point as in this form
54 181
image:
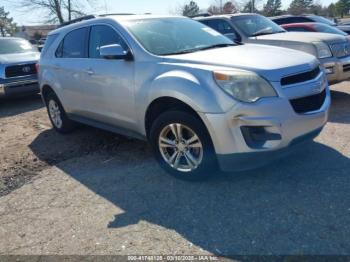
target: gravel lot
93 192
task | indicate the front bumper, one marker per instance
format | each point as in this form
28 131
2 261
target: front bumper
19 86
338 69
283 127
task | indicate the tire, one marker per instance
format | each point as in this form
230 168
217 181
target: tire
192 156
58 117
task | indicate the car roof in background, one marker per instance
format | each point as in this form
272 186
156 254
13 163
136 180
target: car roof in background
306 23
222 16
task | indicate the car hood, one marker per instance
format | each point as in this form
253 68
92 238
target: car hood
304 37
270 62
19 58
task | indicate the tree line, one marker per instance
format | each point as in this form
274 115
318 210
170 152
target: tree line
270 8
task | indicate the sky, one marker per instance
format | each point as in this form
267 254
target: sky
23 17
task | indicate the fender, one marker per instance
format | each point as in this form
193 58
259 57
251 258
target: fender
185 87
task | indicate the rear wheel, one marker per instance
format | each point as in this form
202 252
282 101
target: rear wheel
57 115
183 146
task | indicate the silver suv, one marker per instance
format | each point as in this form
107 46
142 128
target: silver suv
201 100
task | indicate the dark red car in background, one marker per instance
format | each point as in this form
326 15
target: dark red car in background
314 27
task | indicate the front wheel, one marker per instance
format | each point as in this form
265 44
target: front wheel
183 146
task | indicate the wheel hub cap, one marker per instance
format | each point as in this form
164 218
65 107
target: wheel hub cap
55 114
181 147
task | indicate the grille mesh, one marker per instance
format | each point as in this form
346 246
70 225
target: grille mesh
299 78
309 103
20 70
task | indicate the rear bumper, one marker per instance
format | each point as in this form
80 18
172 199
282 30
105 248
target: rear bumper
17 87
338 69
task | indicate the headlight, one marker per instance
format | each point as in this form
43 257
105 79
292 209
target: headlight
244 86
323 50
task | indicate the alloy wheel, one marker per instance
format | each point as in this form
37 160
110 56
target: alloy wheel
180 147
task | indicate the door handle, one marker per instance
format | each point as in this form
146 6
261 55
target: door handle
90 72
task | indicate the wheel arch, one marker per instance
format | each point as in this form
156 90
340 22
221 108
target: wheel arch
163 104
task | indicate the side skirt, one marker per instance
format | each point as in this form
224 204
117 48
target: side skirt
107 127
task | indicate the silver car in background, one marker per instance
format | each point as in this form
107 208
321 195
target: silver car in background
201 100
18 73
333 51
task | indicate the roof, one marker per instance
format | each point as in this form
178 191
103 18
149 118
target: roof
119 18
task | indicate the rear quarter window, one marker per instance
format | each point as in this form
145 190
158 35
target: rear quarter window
74 44
48 43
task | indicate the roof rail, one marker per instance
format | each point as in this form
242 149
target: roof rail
103 15
83 18
201 15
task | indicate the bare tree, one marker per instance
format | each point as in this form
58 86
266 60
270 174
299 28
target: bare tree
57 10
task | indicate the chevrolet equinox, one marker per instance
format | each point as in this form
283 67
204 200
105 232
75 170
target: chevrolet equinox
202 101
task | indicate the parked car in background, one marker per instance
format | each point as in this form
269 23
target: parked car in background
199 99
333 51
292 19
314 27
41 44
18 74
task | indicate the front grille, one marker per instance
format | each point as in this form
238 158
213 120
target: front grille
20 70
299 78
346 68
309 103
341 49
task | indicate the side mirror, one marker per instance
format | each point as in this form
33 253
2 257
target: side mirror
114 52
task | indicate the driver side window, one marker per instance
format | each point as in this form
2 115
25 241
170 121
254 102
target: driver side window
102 35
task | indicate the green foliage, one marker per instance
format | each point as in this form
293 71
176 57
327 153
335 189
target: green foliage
272 8
298 7
7 26
342 7
190 9
248 8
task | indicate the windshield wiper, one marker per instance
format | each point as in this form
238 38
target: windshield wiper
199 49
267 33
215 46
181 52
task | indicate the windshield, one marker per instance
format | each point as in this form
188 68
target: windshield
323 20
169 36
329 29
255 25
14 46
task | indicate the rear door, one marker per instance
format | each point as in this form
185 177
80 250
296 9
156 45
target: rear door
69 67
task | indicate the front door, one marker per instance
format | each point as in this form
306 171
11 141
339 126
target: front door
109 82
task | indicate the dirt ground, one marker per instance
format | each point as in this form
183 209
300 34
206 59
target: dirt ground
21 121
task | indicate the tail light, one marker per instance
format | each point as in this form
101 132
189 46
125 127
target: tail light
37 67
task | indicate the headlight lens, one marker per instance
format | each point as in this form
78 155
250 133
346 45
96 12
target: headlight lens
244 86
323 50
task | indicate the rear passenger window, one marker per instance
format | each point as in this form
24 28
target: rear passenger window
221 26
49 41
74 44
102 35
